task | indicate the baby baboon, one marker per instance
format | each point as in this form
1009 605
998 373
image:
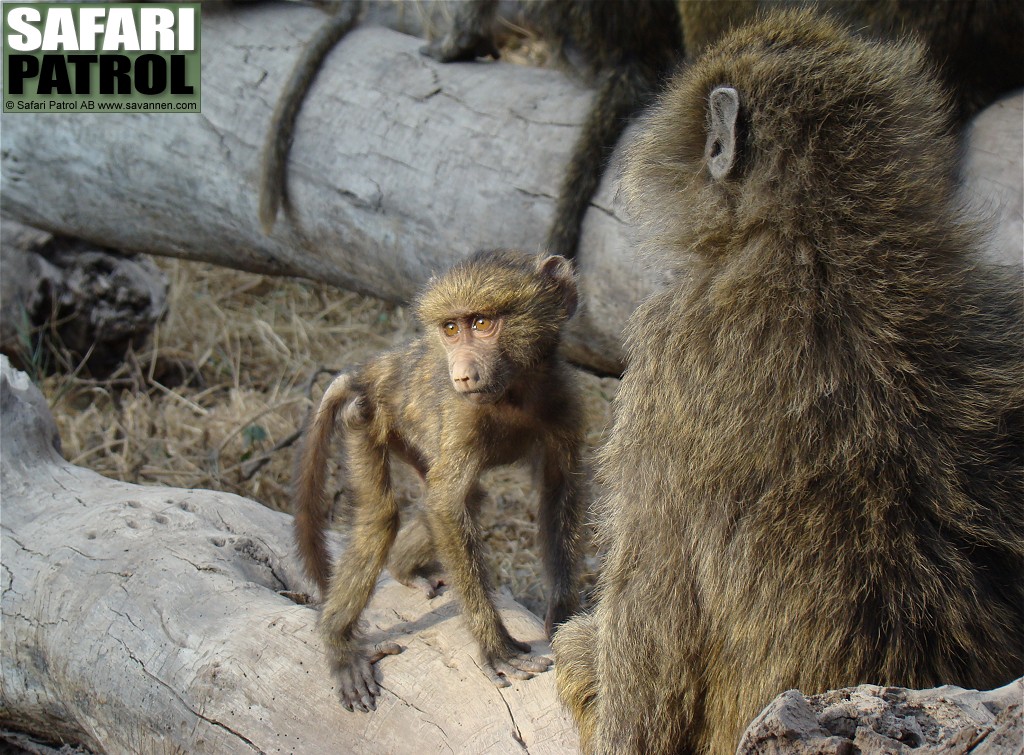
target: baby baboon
482 386
815 475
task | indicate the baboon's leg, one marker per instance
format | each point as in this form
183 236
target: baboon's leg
648 711
560 514
576 672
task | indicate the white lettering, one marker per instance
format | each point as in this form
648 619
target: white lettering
157 21
158 29
89 27
121 32
186 29
20 20
60 31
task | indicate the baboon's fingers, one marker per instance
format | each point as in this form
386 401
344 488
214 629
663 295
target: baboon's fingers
508 669
357 687
370 688
351 689
500 670
536 664
382 649
491 671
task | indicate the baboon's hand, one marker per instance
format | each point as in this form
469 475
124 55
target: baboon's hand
430 584
461 46
357 687
513 662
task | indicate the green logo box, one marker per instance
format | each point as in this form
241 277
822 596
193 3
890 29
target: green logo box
101 57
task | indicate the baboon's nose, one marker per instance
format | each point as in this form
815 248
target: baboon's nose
465 377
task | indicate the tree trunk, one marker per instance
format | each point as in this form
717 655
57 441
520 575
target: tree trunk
152 619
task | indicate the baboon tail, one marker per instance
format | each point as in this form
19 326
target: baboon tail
620 95
282 124
310 504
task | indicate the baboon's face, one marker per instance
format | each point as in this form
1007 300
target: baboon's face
476 366
498 317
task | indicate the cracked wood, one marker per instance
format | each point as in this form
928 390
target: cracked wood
151 619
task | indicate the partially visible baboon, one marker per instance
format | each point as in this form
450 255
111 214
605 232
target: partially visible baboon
977 45
483 386
343 17
816 472
627 48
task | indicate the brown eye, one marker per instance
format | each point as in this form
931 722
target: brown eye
483 324
450 329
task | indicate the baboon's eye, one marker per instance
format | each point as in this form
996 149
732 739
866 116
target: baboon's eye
483 324
450 328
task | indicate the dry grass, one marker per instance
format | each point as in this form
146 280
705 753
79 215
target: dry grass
228 375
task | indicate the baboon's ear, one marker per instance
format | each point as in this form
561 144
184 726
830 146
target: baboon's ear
723 113
559 270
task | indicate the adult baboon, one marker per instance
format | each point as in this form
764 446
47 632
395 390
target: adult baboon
815 475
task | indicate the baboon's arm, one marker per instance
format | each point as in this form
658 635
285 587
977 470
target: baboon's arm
453 500
374 526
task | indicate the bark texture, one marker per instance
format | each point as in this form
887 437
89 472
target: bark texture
152 619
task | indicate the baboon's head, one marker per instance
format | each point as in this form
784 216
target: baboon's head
496 316
792 129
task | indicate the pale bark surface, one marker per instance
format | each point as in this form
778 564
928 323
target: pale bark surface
151 619
994 176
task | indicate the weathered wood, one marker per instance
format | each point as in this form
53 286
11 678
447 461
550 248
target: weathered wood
151 619
399 166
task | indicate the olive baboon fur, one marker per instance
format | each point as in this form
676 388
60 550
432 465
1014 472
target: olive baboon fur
815 474
483 386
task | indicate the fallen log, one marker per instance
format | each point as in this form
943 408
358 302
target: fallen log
993 177
399 166
151 619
